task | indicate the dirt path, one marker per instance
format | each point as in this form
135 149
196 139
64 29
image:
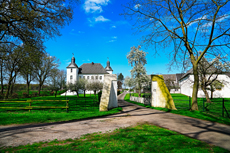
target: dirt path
214 133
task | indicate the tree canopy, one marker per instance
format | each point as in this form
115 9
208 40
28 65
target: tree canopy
33 21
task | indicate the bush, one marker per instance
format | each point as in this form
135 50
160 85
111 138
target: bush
51 93
1 96
99 95
118 92
14 95
35 94
25 95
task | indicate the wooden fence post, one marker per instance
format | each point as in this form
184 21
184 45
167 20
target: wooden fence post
203 105
223 107
67 105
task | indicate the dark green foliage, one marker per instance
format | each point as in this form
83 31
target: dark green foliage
99 95
118 92
25 95
14 95
141 138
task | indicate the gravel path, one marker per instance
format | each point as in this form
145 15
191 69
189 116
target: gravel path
211 132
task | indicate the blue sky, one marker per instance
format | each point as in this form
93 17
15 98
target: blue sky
98 31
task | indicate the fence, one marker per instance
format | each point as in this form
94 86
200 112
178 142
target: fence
218 106
30 107
84 103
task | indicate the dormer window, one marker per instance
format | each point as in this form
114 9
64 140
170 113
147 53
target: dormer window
71 77
71 70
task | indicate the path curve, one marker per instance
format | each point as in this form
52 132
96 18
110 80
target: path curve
211 132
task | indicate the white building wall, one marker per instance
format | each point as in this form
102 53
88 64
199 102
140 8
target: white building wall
110 72
74 75
187 85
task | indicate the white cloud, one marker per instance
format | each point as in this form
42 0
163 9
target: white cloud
92 6
114 26
115 37
112 40
94 20
137 6
101 19
72 29
81 32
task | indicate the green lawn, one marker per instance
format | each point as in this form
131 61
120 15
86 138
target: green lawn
141 138
79 108
207 115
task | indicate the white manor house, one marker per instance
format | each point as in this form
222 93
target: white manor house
90 71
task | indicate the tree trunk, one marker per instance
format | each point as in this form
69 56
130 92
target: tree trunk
206 94
195 88
2 86
39 89
212 90
77 95
28 85
8 89
95 94
84 93
55 93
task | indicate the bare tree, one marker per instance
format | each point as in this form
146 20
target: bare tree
30 60
44 67
13 65
209 70
187 26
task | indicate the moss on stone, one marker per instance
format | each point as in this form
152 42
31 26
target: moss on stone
164 90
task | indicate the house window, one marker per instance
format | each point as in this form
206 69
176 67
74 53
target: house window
71 70
83 77
71 77
92 77
88 77
100 77
96 77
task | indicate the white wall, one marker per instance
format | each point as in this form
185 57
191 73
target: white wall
74 74
187 85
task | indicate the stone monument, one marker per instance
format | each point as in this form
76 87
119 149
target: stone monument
109 92
160 94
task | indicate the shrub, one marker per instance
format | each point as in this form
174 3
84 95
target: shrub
1 96
25 95
118 92
99 95
14 95
35 94
51 93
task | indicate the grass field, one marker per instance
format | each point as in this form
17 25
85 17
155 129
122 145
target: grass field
207 115
79 108
141 138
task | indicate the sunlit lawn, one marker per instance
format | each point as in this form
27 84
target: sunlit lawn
141 138
183 109
79 108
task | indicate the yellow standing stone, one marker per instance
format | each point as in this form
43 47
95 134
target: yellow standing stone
161 97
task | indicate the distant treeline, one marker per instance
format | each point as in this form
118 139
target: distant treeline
20 87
